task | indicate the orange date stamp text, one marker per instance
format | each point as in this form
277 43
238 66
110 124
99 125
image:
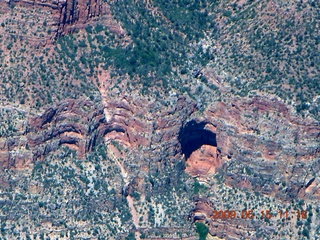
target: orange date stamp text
264 214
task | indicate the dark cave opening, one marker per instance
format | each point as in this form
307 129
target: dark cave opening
193 135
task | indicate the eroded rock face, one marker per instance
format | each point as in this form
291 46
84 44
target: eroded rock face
193 135
252 143
266 149
238 140
80 125
204 161
77 14
255 144
268 140
70 15
199 146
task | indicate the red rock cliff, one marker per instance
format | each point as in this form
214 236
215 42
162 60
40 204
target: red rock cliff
70 15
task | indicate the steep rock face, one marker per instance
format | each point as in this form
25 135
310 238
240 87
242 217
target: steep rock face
265 148
199 146
125 126
203 161
263 136
69 15
249 144
148 127
76 14
258 143
71 123
237 141
77 124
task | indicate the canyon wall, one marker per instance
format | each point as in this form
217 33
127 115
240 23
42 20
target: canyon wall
67 16
254 145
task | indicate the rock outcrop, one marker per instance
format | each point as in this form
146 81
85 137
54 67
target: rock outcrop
263 136
265 148
199 146
69 15
77 124
256 145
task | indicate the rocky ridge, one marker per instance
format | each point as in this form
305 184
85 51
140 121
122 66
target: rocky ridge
265 149
64 124
67 16
255 144
251 150
239 142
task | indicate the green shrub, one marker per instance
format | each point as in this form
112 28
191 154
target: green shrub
202 230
